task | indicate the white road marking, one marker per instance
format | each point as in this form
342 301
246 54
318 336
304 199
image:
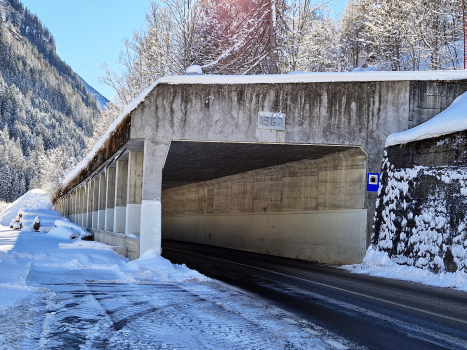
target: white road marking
336 344
332 287
311 331
289 320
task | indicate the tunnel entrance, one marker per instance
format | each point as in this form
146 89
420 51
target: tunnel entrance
291 200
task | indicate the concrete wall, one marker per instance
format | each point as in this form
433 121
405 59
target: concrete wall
324 236
125 245
298 210
429 98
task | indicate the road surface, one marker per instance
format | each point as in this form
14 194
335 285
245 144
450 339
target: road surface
373 312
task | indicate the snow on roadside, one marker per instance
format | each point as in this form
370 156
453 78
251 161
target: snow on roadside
84 289
152 266
24 255
67 229
34 199
377 263
63 232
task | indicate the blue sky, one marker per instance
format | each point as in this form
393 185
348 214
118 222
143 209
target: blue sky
90 32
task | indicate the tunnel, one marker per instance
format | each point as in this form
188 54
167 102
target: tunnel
292 200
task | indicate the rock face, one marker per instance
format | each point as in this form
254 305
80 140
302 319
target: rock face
420 218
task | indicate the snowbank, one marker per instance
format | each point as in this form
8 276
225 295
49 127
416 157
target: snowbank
63 232
46 219
152 266
377 263
34 199
85 245
40 212
452 119
67 229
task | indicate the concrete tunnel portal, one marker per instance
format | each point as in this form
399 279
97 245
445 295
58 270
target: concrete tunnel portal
193 159
291 200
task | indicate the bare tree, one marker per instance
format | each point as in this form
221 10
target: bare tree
166 45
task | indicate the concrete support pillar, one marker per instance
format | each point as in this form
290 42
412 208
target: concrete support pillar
95 202
70 207
73 205
110 199
121 183
83 206
78 206
134 192
101 205
63 208
89 194
151 208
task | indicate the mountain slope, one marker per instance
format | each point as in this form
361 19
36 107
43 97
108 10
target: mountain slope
101 99
45 108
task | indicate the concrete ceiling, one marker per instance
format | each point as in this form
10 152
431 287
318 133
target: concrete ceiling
190 162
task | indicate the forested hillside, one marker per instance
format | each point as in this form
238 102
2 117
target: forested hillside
46 112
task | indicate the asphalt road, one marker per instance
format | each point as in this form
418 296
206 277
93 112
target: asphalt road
376 313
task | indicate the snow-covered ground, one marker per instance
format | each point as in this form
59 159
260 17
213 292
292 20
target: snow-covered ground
57 293
34 199
378 263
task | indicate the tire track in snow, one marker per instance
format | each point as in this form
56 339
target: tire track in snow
96 315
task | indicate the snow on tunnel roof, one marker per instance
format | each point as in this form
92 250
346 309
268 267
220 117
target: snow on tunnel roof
291 78
452 119
316 77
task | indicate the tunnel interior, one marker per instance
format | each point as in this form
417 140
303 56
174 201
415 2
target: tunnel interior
191 162
288 200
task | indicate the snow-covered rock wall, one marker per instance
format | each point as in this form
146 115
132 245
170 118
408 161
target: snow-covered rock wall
421 214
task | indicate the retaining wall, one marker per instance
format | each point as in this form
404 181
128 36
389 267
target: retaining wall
421 210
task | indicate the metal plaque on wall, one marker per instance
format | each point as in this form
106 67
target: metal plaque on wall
269 120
